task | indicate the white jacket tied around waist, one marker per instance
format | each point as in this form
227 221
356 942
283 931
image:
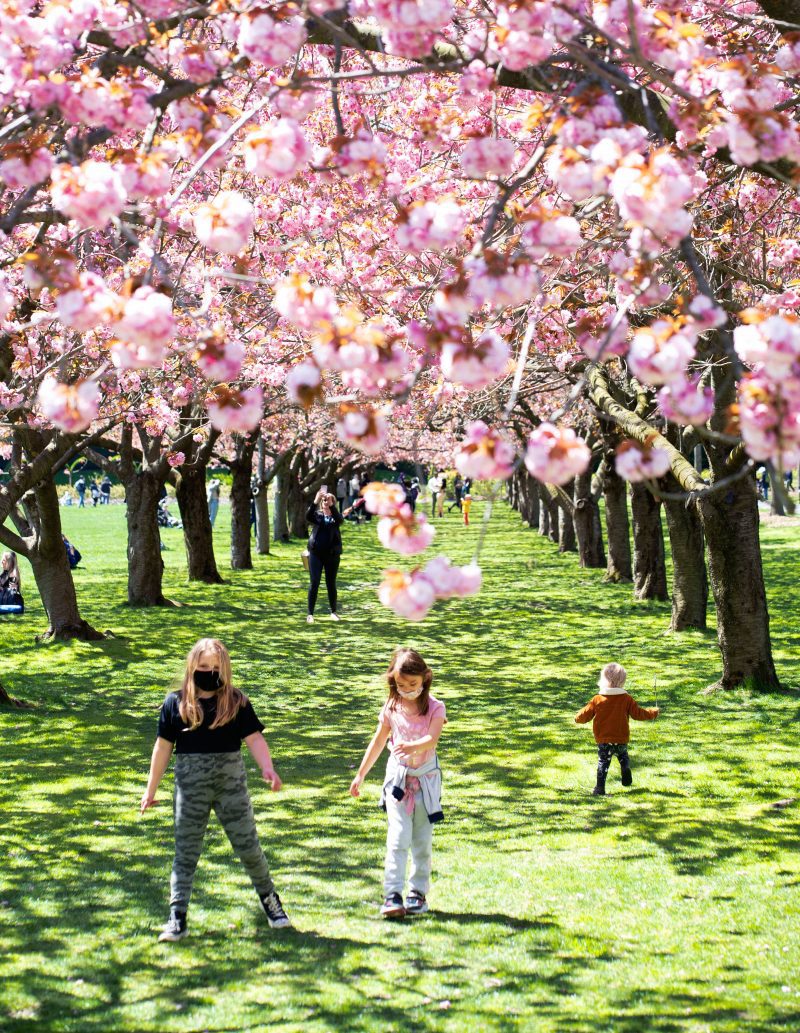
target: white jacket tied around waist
430 783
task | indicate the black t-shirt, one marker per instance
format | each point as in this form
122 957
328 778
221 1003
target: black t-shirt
204 739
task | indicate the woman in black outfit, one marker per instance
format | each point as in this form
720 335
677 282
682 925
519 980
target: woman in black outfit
10 581
324 550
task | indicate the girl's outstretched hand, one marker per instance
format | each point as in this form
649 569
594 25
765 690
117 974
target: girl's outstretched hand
355 786
148 800
403 752
273 778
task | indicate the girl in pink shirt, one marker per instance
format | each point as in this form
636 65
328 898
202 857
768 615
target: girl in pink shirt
411 722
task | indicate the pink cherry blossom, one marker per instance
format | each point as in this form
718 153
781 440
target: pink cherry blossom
686 402
224 224
145 329
230 409
488 156
70 407
23 168
476 364
303 303
277 150
552 234
771 345
304 384
219 357
407 533
637 462
484 454
362 153
91 193
660 353
89 304
176 459
431 226
363 428
556 454
448 581
383 498
271 42
408 595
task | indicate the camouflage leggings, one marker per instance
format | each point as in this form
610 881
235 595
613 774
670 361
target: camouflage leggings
607 750
203 781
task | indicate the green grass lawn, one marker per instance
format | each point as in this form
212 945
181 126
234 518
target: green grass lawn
672 906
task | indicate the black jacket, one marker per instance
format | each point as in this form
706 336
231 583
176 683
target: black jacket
334 547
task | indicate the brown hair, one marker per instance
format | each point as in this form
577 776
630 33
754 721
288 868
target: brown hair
408 661
229 698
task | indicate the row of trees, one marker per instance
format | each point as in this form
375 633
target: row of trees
404 218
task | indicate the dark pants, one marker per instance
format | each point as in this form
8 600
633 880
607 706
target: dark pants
456 501
316 565
607 750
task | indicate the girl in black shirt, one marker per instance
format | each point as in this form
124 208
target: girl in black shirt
206 723
10 581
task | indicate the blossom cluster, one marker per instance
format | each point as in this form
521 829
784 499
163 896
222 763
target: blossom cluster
411 595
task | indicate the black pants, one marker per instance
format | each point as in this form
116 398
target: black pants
607 750
316 565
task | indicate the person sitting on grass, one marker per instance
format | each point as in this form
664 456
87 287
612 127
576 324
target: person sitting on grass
411 720
206 722
10 582
610 711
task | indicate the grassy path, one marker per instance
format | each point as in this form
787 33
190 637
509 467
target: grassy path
669 907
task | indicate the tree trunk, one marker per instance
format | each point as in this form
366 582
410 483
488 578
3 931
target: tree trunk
588 528
618 530
280 532
52 572
241 558
296 506
689 580
649 569
190 492
730 523
145 566
544 511
530 500
262 503
566 528
10 701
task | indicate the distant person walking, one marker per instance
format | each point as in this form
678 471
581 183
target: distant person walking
94 491
341 493
324 550
434 487
458 487
212 496
80 487
466 505
355 488
105 491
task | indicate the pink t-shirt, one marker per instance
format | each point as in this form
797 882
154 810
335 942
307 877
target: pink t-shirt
408 727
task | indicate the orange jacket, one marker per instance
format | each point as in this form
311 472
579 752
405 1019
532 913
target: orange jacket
612 715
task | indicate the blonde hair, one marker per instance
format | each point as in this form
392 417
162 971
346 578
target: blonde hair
613 676
13 568
409 662
229 698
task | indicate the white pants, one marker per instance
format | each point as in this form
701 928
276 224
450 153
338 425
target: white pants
407 831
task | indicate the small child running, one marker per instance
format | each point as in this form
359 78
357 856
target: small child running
206 722
611 710
466 505
411 721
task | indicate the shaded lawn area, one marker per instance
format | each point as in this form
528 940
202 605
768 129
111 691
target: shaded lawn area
668 907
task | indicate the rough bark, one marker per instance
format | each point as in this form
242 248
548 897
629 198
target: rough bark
280 532
588 528
618 532
190 491
242 468
649 568
145 565
530 499
689 580
544 512
730 522
296 506
567 541
262 503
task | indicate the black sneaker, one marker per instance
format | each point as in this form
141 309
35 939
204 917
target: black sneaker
627 777
599 789
416 904
392 907
175 929
276 916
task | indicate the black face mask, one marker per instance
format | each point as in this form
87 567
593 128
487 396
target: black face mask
207 681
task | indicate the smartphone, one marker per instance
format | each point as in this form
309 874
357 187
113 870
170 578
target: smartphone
324 489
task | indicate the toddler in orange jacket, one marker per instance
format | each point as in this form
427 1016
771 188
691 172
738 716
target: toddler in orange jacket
610 711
